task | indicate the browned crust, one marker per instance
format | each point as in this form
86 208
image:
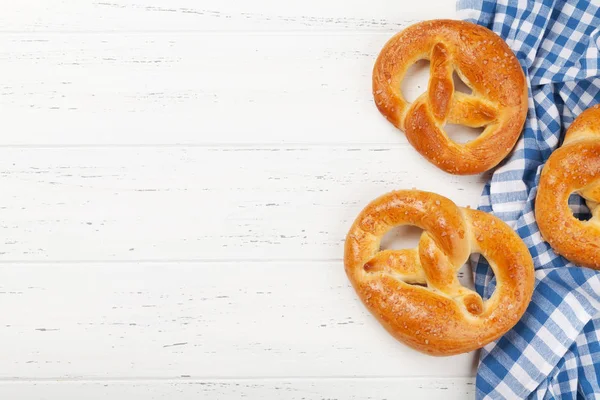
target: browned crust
573 168
486 64
443 318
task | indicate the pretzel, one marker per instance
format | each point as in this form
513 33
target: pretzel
484 62
573 168
415 293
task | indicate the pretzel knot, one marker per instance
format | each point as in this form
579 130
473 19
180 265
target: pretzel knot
415 293
573 168
484 62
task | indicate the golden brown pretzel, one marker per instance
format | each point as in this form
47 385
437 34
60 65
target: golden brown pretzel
442 318
484 62
573 168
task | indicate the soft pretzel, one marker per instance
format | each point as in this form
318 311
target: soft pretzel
573 168
484 62
415 293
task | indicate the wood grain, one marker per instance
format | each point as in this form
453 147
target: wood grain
211 15
202 320
303 389
197 203
185 88
178 178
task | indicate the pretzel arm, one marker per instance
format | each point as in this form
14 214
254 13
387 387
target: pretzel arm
471 111
402 263
441 86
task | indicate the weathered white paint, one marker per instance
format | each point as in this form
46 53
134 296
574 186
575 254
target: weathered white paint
177 179
197 203
280 389
217 15
207 320
189 88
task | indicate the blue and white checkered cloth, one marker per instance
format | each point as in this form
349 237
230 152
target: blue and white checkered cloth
554 351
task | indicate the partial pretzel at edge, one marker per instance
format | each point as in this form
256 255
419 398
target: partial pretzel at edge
573 168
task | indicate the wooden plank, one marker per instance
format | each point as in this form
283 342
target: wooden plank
193 89
210 15
202 320
304 389
197 203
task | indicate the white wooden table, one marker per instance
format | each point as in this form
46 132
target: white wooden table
177 180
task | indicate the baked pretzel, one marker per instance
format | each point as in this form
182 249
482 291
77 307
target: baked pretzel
415 293
484 62
573 168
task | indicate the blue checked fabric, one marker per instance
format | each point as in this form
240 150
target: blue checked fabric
554 351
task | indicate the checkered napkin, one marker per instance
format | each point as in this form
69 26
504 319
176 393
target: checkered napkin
554 351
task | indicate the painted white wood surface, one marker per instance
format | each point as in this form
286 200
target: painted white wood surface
190 88
196 203
178 177
295 389
207 320
218 15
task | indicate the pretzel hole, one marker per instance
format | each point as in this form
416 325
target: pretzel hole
465 276
474 303
578 207
460 85
415 80
477 262
462 134
401 237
